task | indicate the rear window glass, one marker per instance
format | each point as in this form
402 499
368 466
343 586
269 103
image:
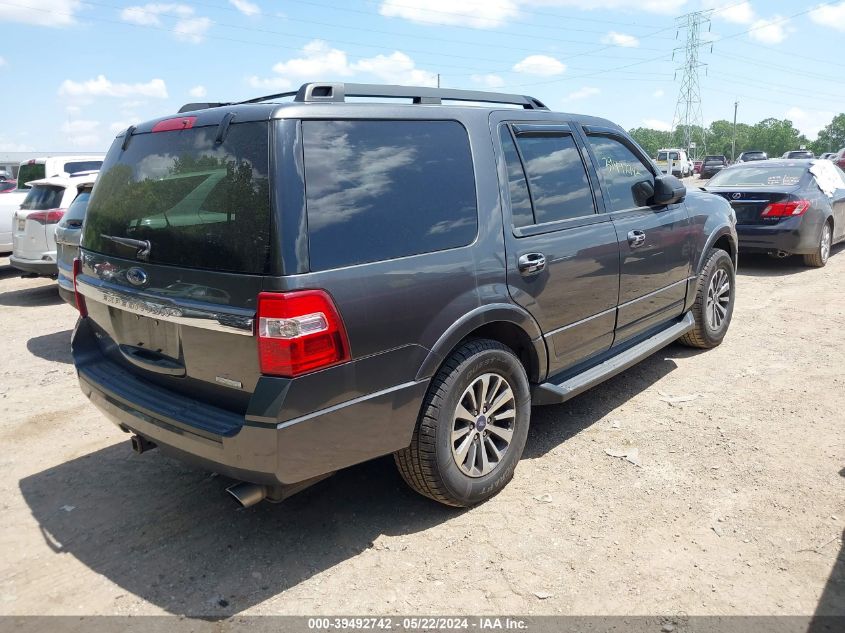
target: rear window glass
758 177
43 197
28 173
76 210
83 165
200 204
378 190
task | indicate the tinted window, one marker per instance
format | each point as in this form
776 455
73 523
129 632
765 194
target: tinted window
377 190
28 173
201 204
749 176
76 210
8 185
82 165
556 177
521 211
626 179
42 197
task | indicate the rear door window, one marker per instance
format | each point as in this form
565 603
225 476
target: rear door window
76 167
557 179
199 203
626 179
76 211
377 190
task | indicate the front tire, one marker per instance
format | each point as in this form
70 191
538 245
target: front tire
714 302
472 426
822 254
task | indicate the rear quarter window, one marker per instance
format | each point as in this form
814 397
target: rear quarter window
378 190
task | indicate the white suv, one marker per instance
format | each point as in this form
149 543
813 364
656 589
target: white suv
36 169
34 227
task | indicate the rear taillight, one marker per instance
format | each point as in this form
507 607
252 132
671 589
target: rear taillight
299 332
46 217
786 209
80 300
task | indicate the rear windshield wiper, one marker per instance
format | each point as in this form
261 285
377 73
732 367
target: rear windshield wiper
143 246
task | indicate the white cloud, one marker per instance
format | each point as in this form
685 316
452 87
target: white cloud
192 30
82 133
56 13
540 65
246 7
482 14
271 84
771 31
11 146
657 124
198 91
620 39
320 60
488 81
809 122
102 87
118 126
830 15
582 93
730 11
186 25
658 94
396 68
3 62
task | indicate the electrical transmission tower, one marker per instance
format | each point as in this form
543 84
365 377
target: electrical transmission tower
688 113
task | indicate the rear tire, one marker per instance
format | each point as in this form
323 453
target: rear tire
714 302
462 454
822 254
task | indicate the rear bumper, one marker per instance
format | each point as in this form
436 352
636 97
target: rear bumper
65 281
798 236
255 447
37 266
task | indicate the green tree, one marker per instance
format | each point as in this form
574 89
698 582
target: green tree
832 137
651 140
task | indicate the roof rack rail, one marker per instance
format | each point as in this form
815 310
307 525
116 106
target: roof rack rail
337 92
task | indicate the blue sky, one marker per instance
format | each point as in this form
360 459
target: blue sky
74 72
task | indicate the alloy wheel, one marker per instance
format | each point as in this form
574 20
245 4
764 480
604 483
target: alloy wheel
483 425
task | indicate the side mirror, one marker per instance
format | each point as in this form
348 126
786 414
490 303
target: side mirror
668 190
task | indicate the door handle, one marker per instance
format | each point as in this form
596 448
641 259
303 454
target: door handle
531 263
636 238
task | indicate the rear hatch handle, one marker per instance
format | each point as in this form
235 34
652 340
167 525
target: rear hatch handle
152 361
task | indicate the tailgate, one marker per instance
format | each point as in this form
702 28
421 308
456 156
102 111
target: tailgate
194 335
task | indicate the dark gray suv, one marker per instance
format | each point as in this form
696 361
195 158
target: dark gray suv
282 288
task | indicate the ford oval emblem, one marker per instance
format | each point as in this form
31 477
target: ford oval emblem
735 196
136 276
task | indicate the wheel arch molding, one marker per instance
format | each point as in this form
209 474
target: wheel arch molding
503 322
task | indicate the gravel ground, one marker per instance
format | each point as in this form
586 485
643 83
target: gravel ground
731 502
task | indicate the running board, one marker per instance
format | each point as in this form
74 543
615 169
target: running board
550 393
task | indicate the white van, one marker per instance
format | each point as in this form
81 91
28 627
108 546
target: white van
681 164
38 169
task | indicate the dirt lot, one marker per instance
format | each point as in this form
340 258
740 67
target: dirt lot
736 505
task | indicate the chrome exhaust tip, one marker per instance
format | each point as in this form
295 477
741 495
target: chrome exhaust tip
247 494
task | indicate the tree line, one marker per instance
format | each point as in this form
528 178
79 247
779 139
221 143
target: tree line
773 136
